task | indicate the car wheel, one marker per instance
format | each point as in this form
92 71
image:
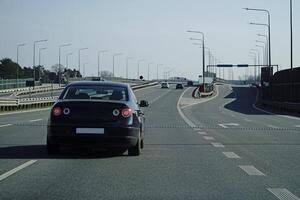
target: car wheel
52 148
135 150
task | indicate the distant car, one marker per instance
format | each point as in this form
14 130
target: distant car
190 83
179 86
165 85
97 114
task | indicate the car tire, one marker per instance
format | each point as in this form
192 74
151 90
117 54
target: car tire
135 150
52 148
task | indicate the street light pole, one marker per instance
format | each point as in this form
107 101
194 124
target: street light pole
269 28
99 52
138 69
34 43
84 68
128 58
149 69
157 70
256 51
79 57
291 28
203 54
67 59
40 50
117 54
59 69
18 46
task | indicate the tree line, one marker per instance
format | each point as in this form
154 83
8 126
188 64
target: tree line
11 70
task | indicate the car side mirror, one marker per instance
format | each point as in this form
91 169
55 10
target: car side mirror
144 103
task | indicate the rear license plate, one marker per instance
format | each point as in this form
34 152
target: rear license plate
89 130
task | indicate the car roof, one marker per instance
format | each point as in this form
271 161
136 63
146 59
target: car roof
99 83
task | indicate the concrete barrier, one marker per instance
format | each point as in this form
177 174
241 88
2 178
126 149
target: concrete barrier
33 103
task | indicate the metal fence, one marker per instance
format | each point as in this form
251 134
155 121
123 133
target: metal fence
284 86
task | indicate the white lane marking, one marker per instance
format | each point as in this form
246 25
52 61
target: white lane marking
248 120
225 125
272 126
271 113
222 125
217 145
15 170
35 120
251 170
5 125
157 98
202 133
298 126
283 194
208 138
231 155
189 122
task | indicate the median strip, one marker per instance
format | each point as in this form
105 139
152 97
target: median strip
15 170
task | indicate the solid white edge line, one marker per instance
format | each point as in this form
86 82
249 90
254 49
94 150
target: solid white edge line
189 122
5 125
283 194
15 170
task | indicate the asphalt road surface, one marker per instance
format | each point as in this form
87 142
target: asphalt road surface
224 148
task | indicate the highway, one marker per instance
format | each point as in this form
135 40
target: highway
222 147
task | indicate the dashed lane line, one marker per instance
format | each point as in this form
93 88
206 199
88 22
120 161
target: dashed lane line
15 170
5 125
283 194
231 155
208 138
217 145
251 170
202 133
35 120
248 120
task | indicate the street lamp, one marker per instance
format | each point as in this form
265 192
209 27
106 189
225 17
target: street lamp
34 43
149 69
138 69
84 68
265 57
291 28
18 46
40 50
257 52
67 59
269 28
128 58
99 52
117 54
59 50
157 70
203 54
79 51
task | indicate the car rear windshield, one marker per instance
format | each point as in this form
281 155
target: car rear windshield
96 92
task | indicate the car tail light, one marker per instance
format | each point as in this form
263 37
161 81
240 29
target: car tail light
126 112
56 111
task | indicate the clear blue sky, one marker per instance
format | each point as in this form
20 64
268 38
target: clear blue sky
151 29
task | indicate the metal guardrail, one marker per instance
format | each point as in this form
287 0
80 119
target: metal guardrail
19 104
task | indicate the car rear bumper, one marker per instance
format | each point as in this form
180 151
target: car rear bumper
112 137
